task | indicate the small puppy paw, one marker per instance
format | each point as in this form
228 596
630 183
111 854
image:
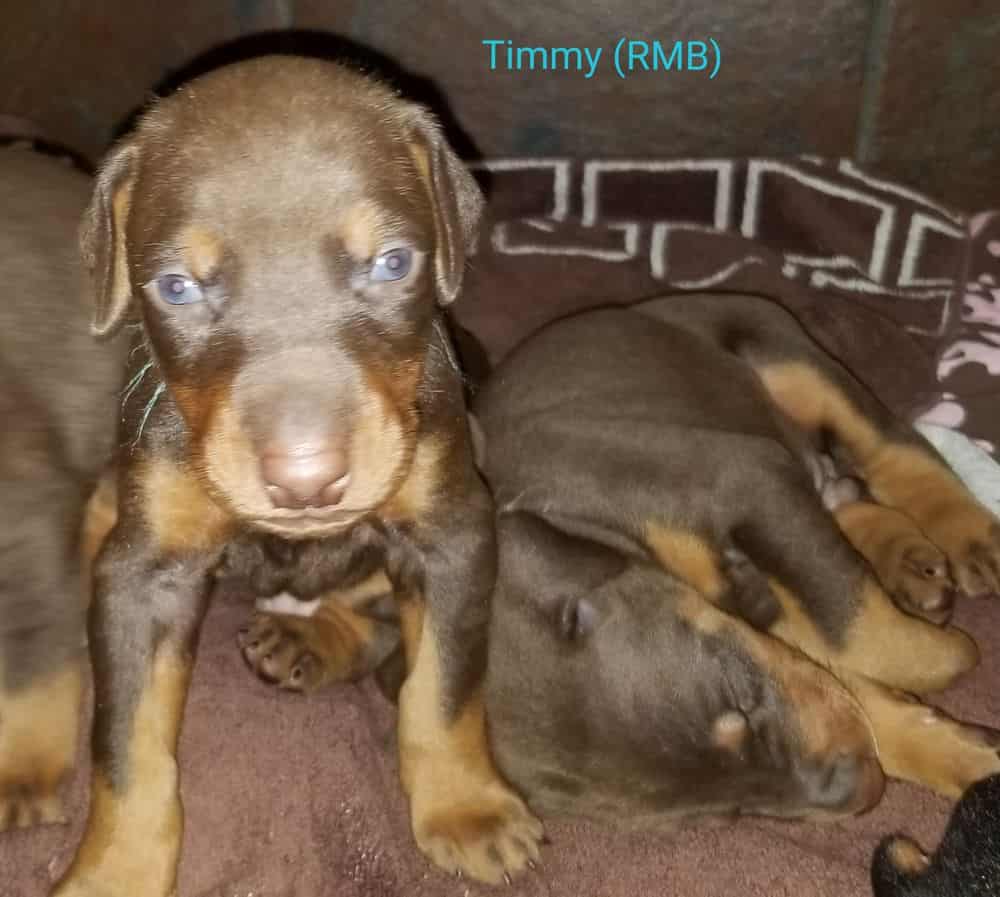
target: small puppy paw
24 806
749 594
922 583
38 736
970 538
491 836
275 648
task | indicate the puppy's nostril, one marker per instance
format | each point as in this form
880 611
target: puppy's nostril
316 479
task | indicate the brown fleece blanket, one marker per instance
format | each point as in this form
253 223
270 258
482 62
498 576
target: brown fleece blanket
298 797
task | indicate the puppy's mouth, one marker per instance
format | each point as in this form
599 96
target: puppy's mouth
308 522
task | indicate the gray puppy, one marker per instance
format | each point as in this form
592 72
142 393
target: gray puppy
57 401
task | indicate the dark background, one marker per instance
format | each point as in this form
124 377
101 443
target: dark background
909 88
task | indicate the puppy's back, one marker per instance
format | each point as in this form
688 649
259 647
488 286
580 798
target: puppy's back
61 372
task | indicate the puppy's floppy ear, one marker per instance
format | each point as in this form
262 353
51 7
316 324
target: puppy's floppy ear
456 201
102 239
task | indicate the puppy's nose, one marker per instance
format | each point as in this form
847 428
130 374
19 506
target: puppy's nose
313 477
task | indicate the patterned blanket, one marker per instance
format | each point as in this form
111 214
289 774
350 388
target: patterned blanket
903 289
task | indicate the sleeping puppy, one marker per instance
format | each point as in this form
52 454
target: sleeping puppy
681 627
967 862
57 402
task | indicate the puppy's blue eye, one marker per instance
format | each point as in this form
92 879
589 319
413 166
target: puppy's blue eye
177 289
392 265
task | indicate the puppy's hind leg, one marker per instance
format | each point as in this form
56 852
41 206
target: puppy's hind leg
831 605
900 468
920 744
42 648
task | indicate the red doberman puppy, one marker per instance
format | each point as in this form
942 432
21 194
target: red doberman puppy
287 232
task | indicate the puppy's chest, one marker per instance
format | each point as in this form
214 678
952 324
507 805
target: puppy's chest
266 565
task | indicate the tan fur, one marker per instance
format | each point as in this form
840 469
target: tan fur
359 231
202 252
828 717
688 557
415 497
99 519
907 857
38 738
730 731
135 835
881 642
183 517
907 564
901 476
338 638
920 744
463 815
121 206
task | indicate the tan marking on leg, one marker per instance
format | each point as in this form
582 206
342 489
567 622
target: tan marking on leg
882 642
131 844
375 586
814 403
184 518
920 744
909 567
688 557
907 857
38 737
100 517
464 816
898 475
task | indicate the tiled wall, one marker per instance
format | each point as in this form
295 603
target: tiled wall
909 87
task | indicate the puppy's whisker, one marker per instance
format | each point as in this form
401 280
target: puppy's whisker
160 387
133 384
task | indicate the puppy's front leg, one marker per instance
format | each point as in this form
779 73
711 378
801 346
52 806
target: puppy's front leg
464 816
149 599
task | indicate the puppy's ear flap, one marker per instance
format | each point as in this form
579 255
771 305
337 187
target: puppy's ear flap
456 201
102 239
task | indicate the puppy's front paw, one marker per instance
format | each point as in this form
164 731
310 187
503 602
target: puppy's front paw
749 594
488 833
83 888
21 807
38 734
276 648
970 537
921 582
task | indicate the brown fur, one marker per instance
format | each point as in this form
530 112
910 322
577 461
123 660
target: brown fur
58 402
294 417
